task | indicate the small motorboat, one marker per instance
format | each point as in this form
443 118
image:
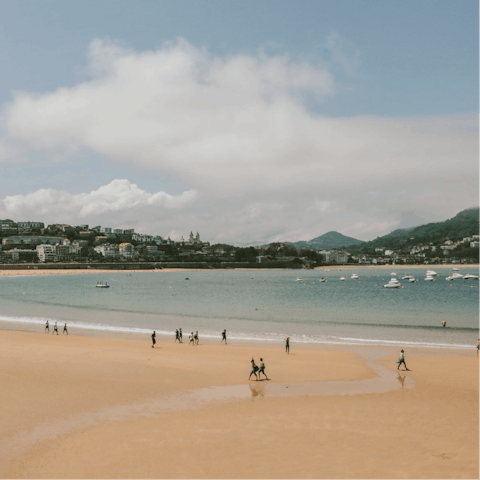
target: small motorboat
323 280
455 269
393 274
406 277
431 273
342 278
354 276
412 280
299 279
392 285
469 276
429 278
102 285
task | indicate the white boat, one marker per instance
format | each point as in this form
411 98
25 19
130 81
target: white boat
342 278
102 285
393 273
429 278
431 273
299 279
455 269
455 276
354 276
394 280
323 280
392 285
406 277
411 280
469 276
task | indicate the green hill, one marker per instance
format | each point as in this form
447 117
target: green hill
464 224
328 240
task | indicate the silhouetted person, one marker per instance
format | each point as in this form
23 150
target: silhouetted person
177 336
192 339
402 360
65 329
262 369
154 341
47 327
55 328
287 345
224 336
254 369
196 338
180 334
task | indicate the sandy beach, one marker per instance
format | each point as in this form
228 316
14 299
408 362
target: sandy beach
87 407
331 268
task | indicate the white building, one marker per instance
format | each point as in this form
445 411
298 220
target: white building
47 253
107 250
126 250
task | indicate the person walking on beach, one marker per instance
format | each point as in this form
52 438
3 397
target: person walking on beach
191 338
254 369
196 337
402 360
262 369
55 328
154 335
65 329
287 345
444 323
224 336
47 327
180 334
478 345
177 336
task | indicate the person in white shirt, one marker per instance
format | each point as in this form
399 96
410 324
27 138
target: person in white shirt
262 369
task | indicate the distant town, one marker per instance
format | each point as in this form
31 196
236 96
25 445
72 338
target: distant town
33 244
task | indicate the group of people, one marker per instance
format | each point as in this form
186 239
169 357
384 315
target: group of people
258 368
55 328
193 337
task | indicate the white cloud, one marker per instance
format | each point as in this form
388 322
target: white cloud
239 130
118 195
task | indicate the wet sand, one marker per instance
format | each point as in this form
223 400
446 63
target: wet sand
88 407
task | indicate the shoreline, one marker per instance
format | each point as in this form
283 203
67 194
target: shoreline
87 407
38 329
75 271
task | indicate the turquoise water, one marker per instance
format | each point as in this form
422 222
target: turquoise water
256 305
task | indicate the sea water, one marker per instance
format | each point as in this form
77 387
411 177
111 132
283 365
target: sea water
255 305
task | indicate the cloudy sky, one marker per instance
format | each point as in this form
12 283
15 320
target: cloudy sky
246 121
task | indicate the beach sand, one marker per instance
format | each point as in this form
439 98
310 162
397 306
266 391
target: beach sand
87 407
332 268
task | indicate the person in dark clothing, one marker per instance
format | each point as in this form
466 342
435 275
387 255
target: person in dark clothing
65 329
180 335
287 345
224 336
196 338
154 341
47 327
177 335
55 328
402 360
254 369
192 339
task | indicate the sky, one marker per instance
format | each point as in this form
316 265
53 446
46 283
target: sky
249 122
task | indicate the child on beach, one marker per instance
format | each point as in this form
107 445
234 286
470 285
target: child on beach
65 329
262 369
224 337
402 360
55 328
254 369
47 327
153 339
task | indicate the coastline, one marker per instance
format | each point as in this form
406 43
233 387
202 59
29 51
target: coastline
83 406
75 271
